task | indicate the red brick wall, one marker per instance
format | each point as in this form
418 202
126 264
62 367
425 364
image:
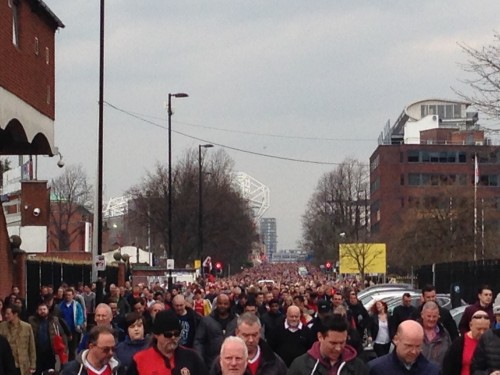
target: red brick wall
22 72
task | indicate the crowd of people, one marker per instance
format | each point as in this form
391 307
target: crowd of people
265 320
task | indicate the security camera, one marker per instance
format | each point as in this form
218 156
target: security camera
36 212
60 163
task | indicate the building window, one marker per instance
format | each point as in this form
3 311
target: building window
47 55
374 164
413 156
375 185
15 22
48 94
35 46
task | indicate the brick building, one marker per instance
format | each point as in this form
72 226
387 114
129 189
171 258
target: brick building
27 93
429 149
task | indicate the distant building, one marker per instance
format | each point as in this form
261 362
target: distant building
269 236
432 145
289 256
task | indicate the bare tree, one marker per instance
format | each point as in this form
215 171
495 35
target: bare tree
440 228
484 65
71 200
364 256
228 224
337 206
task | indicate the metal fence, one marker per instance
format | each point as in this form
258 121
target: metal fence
42 272
468 275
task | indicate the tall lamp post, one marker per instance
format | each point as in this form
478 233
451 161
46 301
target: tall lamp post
178 95
200 204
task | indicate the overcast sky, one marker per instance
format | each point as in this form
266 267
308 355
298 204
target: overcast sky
322 77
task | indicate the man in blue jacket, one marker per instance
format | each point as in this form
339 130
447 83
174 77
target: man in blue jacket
72 313
407 357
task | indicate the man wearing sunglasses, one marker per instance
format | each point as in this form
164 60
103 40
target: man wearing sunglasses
165 356
98 358
459 357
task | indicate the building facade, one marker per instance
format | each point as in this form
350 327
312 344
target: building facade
268 236
431 152
27 77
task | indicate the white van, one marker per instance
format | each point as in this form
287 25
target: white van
303 271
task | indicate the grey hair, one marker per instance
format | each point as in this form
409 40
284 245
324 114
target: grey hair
235 340
248 318
430 305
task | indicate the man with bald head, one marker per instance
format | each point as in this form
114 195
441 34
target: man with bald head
407 357
188 318
213 328
291 338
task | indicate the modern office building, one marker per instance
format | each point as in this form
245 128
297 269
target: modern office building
432 146
269 236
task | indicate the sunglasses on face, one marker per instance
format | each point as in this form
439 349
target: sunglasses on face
480 317
106 349
170 334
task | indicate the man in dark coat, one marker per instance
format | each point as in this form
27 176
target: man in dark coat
403 312
261 359
212 330
407 357
292 338
484 303
429 294
486 359
7 363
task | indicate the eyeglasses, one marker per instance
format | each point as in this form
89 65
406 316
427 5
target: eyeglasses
480 317
170 334
106 349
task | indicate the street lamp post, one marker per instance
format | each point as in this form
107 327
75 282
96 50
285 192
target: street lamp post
178 95
200 205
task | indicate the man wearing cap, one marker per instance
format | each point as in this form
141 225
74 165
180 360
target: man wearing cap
324 308
486 359
165 356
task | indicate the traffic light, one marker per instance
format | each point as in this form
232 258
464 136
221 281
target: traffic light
328 267
218 268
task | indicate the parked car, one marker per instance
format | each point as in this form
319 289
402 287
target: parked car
457 313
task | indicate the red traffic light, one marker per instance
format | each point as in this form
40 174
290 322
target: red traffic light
328 265
218 265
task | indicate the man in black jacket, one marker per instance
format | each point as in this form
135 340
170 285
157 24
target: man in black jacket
261 359
429 294
360 317
213 329
188 318
403 312
292 338
7 363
